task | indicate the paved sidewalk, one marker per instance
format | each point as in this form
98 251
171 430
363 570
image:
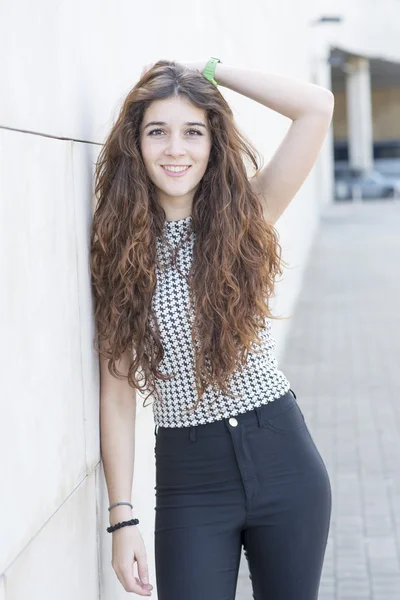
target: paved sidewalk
342 359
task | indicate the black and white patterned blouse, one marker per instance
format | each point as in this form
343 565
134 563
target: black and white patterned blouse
258 383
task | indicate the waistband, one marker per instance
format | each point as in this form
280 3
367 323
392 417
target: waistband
256 416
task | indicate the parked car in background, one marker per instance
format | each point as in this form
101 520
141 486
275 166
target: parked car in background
386 155
358 183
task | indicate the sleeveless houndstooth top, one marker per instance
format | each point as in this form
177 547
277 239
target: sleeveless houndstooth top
259 382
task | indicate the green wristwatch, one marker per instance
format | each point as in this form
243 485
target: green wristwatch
209 71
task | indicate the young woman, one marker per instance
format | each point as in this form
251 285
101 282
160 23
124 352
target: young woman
184 257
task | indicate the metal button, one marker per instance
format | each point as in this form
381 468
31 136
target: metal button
233 421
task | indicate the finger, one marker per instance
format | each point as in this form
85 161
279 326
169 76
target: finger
143 584
147 586
129 584
142 567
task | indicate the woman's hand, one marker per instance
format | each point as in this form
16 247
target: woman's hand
198 65
128 547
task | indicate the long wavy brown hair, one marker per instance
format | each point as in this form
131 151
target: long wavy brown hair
236 255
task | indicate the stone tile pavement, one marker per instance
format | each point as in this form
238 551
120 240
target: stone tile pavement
342 359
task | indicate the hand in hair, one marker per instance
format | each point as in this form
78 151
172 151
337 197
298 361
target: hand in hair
198 65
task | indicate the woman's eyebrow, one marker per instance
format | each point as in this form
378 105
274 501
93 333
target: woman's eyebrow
188 123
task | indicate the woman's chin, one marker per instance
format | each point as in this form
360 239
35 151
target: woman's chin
176 190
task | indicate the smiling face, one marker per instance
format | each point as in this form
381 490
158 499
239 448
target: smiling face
175 134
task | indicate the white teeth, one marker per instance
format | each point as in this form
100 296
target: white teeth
175 169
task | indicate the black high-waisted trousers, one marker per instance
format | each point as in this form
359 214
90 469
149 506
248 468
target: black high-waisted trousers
255 480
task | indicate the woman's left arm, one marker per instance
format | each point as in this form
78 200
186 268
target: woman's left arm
309 106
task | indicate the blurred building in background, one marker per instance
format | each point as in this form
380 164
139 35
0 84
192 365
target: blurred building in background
355 48
67 67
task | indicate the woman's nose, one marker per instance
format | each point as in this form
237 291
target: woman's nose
175 145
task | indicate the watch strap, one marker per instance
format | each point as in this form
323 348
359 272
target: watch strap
209 70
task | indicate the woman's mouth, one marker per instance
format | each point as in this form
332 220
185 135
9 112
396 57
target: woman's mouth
175 171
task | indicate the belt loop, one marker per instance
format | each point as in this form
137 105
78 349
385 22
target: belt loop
155 430
295 397
192 433
260 416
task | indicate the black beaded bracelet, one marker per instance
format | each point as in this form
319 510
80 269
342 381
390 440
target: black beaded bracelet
122 524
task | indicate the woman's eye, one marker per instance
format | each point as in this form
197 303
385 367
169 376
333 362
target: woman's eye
196 131
189 130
